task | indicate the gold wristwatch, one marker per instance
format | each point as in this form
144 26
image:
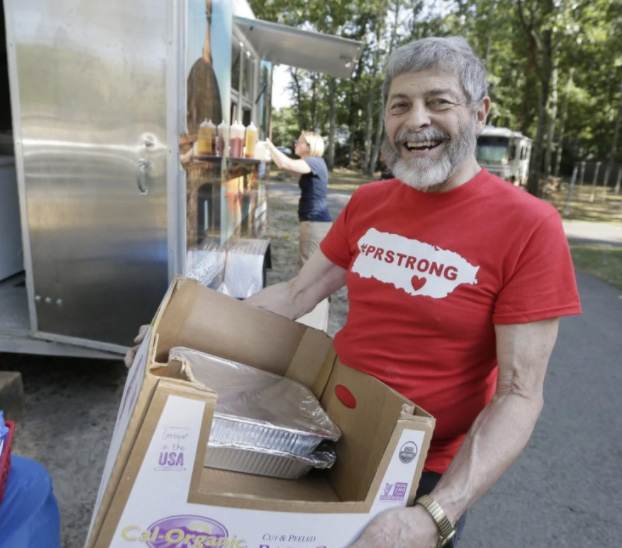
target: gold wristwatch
445 526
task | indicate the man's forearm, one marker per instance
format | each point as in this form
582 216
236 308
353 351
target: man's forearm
503 428
317 279
493 443
284 299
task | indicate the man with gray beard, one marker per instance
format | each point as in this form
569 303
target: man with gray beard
472 347
456 280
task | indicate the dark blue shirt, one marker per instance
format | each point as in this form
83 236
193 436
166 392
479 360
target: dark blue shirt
313 186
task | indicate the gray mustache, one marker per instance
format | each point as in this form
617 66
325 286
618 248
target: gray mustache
429 134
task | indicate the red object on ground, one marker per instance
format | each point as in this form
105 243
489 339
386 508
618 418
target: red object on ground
5 460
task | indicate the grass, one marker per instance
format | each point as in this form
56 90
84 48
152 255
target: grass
591 204
348 180
586 205
604 262
601 261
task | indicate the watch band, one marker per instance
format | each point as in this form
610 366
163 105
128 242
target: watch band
446 528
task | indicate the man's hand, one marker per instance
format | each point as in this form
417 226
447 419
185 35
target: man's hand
129 357
410 527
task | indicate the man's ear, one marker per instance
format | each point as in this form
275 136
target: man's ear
481 115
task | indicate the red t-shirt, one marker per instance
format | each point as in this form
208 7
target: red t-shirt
429 274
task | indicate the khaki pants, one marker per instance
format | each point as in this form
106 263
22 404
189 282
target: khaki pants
311 234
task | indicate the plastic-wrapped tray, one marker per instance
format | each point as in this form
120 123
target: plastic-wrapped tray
257 409
264 462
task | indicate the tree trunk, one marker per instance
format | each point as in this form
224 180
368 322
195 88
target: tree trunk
369 123
380 121
332 86
529 89
298 106
378 137
533 182
614 143
351 146
313 102
489 20
551 118
370 156
562 123
353 122
535 169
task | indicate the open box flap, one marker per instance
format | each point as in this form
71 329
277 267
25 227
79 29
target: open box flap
366 411
208 321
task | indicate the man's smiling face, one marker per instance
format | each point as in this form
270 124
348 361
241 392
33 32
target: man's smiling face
431 130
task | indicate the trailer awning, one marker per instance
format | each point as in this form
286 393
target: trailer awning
285 45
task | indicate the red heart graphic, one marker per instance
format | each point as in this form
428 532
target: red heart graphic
417 282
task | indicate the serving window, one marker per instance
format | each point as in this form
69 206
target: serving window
244 71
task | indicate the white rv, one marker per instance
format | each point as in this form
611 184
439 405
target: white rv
109 185
505 153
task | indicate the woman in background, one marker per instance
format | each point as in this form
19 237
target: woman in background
313 215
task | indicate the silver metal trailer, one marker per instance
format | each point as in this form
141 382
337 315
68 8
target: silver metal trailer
105 193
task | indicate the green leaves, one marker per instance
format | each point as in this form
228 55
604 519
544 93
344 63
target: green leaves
522 41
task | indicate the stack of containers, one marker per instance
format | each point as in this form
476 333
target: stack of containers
263 423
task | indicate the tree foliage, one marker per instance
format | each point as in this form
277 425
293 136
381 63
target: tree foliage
555 71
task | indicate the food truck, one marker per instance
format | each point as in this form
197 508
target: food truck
127 156
505 153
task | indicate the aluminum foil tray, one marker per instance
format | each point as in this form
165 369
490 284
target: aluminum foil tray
268 463
257 409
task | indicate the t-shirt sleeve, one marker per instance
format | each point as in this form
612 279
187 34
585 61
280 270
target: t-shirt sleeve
336 245
313 163
541 283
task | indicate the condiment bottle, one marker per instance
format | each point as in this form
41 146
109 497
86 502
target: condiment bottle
237 140
261 152
251 140
207 132
223 137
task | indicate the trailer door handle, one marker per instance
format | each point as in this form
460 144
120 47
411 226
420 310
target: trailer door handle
142 168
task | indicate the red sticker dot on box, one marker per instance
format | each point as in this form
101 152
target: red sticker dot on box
345 396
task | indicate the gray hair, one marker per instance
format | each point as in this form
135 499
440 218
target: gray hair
452 54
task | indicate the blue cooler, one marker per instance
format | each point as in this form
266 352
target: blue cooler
29 515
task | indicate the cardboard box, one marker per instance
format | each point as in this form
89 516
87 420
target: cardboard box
155 491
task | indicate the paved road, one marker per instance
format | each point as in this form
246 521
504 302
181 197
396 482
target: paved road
564 491
586 232
566 488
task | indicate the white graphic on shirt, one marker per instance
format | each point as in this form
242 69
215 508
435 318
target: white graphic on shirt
416 267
